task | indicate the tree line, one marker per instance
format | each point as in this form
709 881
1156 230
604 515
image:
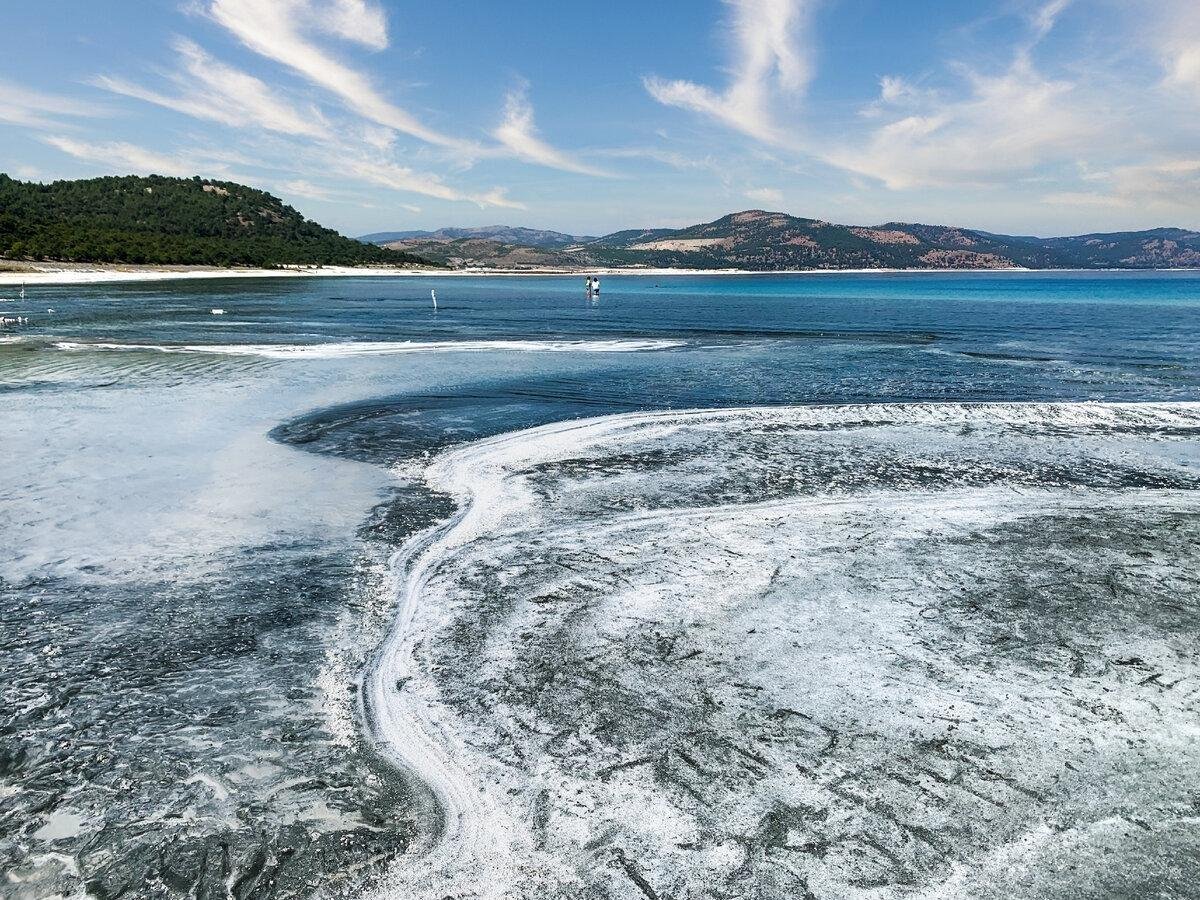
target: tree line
169 221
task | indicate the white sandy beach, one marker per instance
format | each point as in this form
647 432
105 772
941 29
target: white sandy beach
59 274
56 274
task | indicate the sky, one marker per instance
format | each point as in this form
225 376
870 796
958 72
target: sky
1017 116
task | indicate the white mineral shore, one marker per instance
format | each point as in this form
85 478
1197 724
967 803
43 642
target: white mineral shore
79 274
658 652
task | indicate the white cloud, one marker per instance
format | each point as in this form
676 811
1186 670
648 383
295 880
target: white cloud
126 158
277 30
220 93
1007 124
306 189
401 178
1046 17
281 30
767 41
345 161
355 20
893 89
1170 185
765 195
357 149
519 135
670 158
130 159
895 92
993 128
1177 41
35 109
1184 68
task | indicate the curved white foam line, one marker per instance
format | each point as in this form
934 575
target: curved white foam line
415 731
477 849
386 348
481 847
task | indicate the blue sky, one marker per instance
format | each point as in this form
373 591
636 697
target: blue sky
1029 116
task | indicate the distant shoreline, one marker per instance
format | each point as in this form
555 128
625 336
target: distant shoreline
65 273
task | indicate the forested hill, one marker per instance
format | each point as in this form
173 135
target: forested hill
155 219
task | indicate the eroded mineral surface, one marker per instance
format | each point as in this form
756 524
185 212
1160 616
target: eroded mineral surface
861 651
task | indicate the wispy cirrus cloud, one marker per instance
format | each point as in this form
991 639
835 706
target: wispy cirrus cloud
299 187
1102 134
1184 70
280 30
1177 43
519 135
130 159
30 108
287 32
209 89
769 60
354 20
1167 184
765 195
1000 125
1003 125
987 129
672 158
354 145
402 178
1007 124
1045 17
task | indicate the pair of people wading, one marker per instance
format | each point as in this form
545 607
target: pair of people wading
593 286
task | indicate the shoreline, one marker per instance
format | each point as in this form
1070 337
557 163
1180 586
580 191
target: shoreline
65 274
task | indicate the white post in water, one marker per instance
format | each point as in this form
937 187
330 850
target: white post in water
433 294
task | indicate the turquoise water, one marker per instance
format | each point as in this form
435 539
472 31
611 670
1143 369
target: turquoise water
200 513
817 338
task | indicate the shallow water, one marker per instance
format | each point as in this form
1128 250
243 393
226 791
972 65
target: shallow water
869 648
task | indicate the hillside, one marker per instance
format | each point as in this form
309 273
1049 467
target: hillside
504 234
1158 248
169 221
466 253
764 241
758 240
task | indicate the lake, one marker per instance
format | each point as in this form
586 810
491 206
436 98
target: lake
788 585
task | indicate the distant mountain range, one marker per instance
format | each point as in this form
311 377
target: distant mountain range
504 234
758 240
156 219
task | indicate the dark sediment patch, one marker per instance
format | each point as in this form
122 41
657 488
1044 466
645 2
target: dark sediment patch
169 737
